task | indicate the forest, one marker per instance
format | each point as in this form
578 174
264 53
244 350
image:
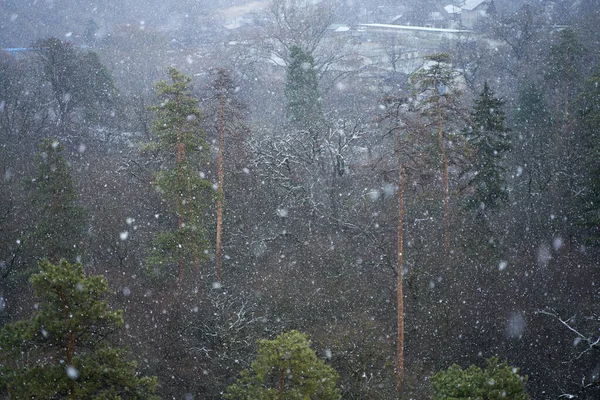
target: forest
281 210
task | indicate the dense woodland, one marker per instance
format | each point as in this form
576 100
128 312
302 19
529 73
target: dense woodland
206 209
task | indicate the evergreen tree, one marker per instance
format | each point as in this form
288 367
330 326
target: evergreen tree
63 351
498 381
564 63
589 104
60 222
533 155
179 139
488 136
399 129
304 109
436 94
589 122
222 85
535 140
286 368
78 82
532 111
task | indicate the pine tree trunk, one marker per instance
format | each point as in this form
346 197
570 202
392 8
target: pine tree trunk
220 194
180 158
400 358
281 383
70 348
70 353
445 174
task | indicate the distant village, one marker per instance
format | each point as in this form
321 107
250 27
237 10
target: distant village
456 15
375 29
389 37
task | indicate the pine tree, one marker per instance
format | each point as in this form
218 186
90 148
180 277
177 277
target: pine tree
488 136
589 122
399 283
304 108
533 155
589 103
532 110
498 381
180 140
286 368
564 62
60 222
63 350
436 92
563 75
399 130
221 85
228 115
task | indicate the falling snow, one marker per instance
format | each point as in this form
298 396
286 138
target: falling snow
495 246
72 372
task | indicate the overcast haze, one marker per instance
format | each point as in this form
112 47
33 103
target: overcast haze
411 185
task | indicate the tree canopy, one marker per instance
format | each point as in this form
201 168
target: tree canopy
59 221
181 144
286 368
63 350
304 107
488 136
497 381
78 81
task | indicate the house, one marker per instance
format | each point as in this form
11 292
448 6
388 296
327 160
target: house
453 16
474 11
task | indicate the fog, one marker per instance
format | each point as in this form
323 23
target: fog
299 199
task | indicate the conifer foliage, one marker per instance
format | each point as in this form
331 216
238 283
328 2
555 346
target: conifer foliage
63 351
436 94
589 120
564 62
286 368
497 381
304 108
60 221
489 137
181 143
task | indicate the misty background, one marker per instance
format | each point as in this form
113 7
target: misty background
323 105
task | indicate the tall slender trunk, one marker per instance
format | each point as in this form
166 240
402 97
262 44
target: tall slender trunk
281 382
70 353
445 174
70 347
180 158
400 294
220 194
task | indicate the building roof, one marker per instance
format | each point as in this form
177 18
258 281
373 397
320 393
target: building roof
413 28
452 9
472 4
